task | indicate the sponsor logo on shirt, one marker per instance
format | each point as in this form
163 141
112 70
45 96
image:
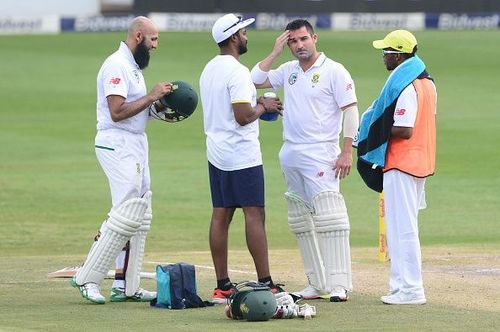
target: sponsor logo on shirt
348 87
115 80
293 78
320 174
400 111
315 78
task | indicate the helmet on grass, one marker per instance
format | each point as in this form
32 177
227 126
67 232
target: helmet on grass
252 301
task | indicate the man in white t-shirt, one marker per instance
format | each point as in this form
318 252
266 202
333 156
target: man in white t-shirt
319 97
230 114
123 106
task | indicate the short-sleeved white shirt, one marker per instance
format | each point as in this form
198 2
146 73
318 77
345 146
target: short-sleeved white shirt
313 99
405 112
230 146
120 75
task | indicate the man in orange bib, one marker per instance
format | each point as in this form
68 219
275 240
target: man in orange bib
409 159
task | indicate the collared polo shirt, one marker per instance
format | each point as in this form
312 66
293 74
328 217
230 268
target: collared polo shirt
313 99
120 75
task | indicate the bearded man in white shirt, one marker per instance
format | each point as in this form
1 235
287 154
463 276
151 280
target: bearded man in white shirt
121 145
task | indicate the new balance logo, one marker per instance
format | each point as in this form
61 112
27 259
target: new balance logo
400 111
115 80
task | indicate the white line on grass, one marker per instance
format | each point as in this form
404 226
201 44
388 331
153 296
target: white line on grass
208 267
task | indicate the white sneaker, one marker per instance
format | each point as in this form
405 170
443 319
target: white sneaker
142 295
338 294
403 298
145 295
310 293
90 291
392 292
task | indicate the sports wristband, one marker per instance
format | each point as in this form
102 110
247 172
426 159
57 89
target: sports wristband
258 75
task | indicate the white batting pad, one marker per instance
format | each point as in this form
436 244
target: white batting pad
301 224
136 250
331 224
120 226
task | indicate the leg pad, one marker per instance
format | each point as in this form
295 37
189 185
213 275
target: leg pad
331 224
136 253
122 223
301 224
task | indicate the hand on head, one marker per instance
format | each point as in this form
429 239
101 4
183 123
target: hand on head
280 43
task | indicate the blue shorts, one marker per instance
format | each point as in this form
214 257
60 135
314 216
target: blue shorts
244 187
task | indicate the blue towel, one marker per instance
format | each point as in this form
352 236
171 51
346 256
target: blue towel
376 122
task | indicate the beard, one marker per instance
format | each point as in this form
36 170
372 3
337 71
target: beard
303 54
390 66
242 49
141 55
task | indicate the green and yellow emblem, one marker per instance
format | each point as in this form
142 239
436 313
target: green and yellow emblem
315 78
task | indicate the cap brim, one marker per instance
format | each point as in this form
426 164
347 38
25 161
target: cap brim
245 23
380 44
226 34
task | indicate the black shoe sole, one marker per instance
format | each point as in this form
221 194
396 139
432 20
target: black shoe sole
337 299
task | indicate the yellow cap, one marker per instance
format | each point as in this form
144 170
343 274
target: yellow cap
400 40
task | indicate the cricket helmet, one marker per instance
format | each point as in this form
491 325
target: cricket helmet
252 301
181 102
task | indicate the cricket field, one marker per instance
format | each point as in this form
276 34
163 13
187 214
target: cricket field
53 194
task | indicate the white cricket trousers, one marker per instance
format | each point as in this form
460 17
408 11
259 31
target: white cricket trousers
307 168
123 157
402 196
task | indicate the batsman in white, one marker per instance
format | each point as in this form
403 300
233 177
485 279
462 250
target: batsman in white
319 96
121 145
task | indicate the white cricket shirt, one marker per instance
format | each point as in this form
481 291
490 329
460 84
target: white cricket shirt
230 147
120 75
313 99
405 112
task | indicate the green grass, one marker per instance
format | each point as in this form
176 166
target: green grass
53 194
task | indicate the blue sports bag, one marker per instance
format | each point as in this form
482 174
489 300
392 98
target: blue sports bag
176 287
